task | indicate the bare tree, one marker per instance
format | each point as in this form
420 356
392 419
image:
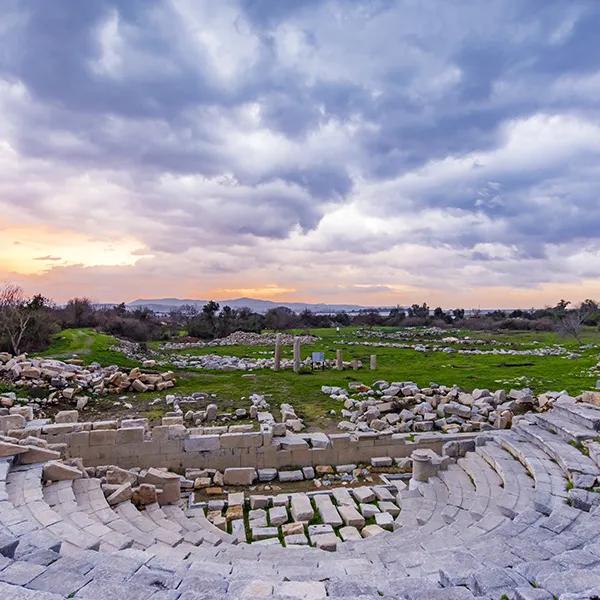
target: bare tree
571 321
14 316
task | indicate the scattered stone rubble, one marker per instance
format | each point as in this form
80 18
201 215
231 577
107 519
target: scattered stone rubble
231 363
555 350
402 407
242 338
512 513
71 381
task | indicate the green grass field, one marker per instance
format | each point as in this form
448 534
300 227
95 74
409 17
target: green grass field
304 390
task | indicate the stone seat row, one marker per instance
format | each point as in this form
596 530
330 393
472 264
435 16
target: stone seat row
494 522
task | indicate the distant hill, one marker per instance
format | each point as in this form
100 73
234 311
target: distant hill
256 305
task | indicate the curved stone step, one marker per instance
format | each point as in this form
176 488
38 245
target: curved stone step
587 415
550 480
158 515
564 426
130 514
577 467
90 499
518 486
60 496
19 524
199 517
24 486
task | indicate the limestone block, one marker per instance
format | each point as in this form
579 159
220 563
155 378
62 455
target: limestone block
340 440
121 494
202 443
36 455
291 476
263 533
8 422
239 476
58 471
130 435
8 449
325 541
127 423
66 416
265 475
103 437
384 520
24 411
144 494
301 509
294 528
259 501
235 499
372 530
78 439
351 516
105 425
278 515
350 534
59 428
116 475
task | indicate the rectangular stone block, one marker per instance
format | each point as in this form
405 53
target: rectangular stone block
127 423
339 440
105 425
232 440
202 443
301 509
239 476
130 435
103 437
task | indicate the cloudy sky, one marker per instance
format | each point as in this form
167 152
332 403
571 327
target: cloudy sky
375 151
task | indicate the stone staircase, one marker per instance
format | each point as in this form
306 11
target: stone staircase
503 517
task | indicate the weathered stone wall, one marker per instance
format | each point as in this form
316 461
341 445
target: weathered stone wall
175 447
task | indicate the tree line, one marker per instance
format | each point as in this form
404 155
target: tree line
27 324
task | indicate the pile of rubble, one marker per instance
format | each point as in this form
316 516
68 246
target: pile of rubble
242 338
403 407
422 333
71 380
141 486
555 350
234 363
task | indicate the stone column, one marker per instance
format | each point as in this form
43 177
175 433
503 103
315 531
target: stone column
423 465
373 363
277 356
339 363
296 354
355 364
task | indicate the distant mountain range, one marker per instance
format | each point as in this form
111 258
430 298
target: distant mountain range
260 306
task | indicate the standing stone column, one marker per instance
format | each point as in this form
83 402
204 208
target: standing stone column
373 363
339 363
277 356
296 354
423 465
355 364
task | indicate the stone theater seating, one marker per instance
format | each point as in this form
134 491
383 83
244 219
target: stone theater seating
508 512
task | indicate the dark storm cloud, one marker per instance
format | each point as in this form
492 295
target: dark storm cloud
301 103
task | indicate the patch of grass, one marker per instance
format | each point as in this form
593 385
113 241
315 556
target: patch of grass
580 446
156 413
317 519
7 387
569 485
87 345
541 373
